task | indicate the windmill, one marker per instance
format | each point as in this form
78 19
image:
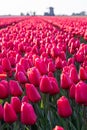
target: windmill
51 12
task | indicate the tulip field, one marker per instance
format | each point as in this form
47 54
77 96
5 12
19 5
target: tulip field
43 73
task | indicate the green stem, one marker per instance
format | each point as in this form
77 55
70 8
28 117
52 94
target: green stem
84 118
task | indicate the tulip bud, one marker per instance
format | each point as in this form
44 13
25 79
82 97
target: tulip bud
6 64
55 88
45 85
58 128
32 93
41 65
21 77
81 92
65 80
15 88
82 73
3 91
72 91
34 76
25 99
74 74
58 63
16 103
63 107
51 67
1 112
9 113
28 115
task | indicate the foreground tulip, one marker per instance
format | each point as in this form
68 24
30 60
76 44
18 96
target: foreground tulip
58 128
81 92
15 88
63 107
16 103
32 93
9 113
28 115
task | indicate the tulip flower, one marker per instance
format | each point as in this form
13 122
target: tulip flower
51 67
9 113
72 91
65 81
25 99
45 85
16 103
1 112
63 107
81 92
58 128
15 88
74 74
32 93
21 77
55 87
34 76
28 116
82 73
6 64
41 65
58 63
3 91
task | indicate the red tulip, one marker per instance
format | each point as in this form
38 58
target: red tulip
74 74
6 64
15 88
65 80
3 91
72 91
21 77
58 128
81 92
45 85
32 93
34 76
1 112
16 103
6 84
41 65
51 67
58 63
63 107
25 99
28 115
9 113
55 88
82 73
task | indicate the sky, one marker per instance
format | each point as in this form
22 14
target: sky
15 7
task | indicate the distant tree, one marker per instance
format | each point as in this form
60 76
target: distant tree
82 13
27 14
34 13
22 14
